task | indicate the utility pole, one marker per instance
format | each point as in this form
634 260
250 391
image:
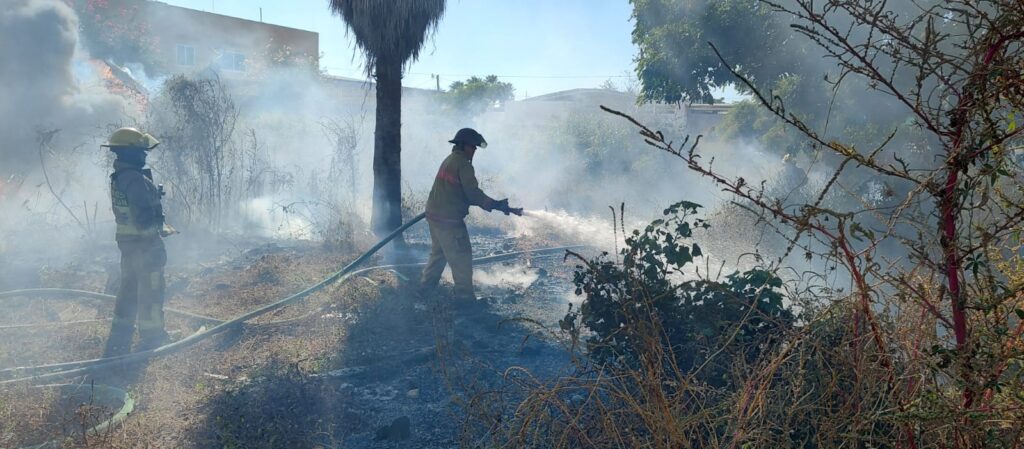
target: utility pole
437 78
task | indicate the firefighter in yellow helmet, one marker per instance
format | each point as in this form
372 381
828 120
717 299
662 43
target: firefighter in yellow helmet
455 189
140 228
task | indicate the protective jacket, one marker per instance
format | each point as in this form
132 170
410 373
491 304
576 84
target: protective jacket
455 189
136 203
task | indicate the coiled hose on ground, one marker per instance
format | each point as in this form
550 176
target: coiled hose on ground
81 367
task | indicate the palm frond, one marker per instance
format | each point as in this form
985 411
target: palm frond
390 29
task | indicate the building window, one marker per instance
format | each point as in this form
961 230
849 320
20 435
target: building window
186 55
232 60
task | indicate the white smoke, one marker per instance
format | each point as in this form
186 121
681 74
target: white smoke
39 49
55 112
275 218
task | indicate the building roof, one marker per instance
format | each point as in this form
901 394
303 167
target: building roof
614 97
370 83
346 80
582 93
717 108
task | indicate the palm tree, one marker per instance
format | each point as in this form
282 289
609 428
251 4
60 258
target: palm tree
390 33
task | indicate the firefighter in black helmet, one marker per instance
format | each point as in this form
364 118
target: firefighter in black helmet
140 226
455 189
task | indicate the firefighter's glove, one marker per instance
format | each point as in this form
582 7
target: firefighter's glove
501 206
167 230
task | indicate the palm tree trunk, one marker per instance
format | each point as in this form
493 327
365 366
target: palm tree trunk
387 150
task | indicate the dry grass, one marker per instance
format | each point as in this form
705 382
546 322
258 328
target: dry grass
178 395
821 386
36 414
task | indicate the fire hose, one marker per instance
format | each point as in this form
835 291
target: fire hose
105 393
82 367
73 293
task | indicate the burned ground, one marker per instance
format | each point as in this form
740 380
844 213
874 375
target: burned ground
360 364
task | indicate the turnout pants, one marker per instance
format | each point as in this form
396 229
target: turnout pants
140 297
450 245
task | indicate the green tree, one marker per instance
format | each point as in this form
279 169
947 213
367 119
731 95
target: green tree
390 34
675 62
763 44
475 95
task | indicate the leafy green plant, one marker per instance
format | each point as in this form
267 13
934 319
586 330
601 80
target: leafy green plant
651 301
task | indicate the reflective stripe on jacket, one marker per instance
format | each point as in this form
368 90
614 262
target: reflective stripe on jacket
135 201
455 189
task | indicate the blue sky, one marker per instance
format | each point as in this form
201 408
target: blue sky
540 46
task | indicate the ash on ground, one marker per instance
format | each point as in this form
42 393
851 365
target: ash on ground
361 364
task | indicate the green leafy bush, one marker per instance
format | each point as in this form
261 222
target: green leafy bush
652 302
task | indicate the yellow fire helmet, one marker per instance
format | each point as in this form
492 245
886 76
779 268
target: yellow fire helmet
131 138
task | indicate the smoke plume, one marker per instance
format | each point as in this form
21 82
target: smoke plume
38 44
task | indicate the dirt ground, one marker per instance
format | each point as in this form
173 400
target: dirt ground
367 364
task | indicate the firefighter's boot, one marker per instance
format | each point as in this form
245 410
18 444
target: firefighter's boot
120 340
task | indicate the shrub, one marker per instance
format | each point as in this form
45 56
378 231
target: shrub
654 294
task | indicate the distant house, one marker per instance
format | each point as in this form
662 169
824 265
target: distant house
240 51
358 94
550 108
611 98
701 118
189 41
